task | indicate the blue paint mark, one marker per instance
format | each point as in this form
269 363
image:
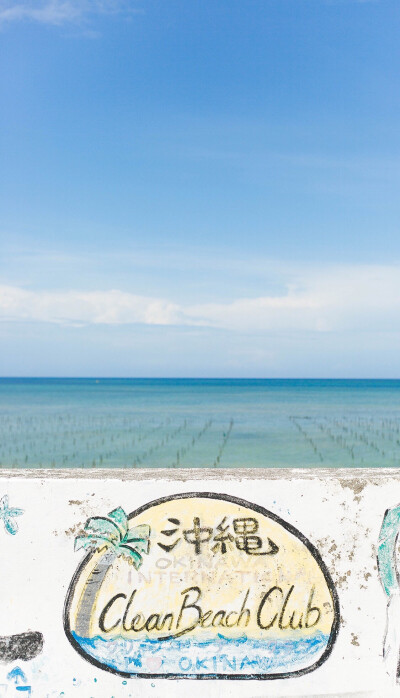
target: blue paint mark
7 514
209 656
17 675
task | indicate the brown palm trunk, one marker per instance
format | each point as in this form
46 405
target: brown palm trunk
91 591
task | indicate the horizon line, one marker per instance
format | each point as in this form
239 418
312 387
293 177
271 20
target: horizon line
205 378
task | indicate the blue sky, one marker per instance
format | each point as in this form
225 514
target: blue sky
200 188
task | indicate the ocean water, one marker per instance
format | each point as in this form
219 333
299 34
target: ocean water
193 423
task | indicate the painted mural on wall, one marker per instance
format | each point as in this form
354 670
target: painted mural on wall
26 645
390 579
200 585
8 515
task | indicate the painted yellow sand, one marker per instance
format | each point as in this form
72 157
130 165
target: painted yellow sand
214 566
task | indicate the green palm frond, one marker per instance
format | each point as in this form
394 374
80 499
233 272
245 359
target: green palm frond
131 555
114 532
139 537
100 526
120 518
89 542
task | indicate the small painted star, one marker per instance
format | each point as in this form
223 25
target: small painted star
7 514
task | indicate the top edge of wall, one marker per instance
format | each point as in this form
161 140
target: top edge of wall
221 474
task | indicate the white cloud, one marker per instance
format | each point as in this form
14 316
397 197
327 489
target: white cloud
330 299
74 307
58 12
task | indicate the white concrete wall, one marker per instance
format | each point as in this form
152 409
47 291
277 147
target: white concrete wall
339 511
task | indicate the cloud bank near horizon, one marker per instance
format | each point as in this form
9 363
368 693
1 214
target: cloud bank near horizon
330 299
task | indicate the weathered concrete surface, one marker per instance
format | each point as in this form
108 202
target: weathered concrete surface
340 511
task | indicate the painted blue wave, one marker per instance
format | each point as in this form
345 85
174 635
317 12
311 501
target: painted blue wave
217 655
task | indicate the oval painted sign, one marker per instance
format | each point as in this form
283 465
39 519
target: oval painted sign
200 585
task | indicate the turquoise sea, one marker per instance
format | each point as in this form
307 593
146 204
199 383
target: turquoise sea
193 423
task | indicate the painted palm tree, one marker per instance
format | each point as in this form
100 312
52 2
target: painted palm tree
107 538
390 579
